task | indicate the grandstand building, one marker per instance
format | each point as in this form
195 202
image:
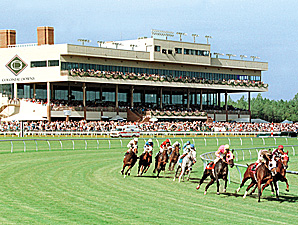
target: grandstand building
100 82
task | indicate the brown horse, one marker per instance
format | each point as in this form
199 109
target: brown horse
280 173
262 175
174 157
129 160
160 163
144 163
220 171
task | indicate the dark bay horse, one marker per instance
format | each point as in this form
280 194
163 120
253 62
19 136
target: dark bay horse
220 171
129 160
174 157
144 163
161 162
280 173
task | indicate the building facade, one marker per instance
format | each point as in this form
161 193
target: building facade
143 73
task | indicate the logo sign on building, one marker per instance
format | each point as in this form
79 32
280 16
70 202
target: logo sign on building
16 65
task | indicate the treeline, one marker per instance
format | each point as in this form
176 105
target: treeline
270 110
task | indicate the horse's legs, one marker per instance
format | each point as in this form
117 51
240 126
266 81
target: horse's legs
207 186
217 184
266 185
259 190
249 187
125 174
122 171
182 173
284 179
253 190
205 175
242 183
276 189
189 174
176 172
139 169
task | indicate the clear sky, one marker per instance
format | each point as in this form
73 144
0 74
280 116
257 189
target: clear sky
267 29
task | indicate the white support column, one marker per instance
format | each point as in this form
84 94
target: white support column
15 90
49 101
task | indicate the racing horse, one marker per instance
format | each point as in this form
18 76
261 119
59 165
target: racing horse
174 157
186 164
218 171
279 175
144 163
129 160
161 162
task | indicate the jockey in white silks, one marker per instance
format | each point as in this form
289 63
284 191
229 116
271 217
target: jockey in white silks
132 145
262 159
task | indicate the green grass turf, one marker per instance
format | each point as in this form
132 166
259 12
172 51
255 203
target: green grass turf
85 187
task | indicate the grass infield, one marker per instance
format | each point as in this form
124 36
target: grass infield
85 187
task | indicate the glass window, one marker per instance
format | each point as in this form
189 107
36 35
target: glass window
186 51
178 50
157 48
170 52
164 51
53 63
38 64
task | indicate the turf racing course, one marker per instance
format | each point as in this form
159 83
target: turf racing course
85 187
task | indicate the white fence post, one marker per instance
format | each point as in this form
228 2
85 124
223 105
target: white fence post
36 145
109 144
85 145
229 141
49 145
73 145
217 141
24 146
98 144
61 144
121 142
11 149
241 141
252 142
205 142
263 141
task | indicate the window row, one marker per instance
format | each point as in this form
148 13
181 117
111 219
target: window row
44 63
172 73
157 48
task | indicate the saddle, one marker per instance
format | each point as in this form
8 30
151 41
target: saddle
253 168
210 166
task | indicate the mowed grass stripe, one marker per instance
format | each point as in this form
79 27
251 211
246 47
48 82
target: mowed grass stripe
85 187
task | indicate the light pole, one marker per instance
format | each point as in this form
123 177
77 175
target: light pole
83 41
100 43
133 46
243 56
162 33
207 37
116 44
254 57
217 54
180 34
194 37
230 55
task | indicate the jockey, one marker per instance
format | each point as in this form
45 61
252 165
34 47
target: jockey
187 150
148 147
176 144
222 151
186 145
165 146
132 145
261 158
279 151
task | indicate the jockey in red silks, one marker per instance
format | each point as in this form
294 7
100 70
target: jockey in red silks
279 151
222 151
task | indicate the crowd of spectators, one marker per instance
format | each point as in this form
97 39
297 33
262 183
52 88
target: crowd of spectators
106 126
92 72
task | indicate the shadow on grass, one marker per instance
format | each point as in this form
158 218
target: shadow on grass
282 198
